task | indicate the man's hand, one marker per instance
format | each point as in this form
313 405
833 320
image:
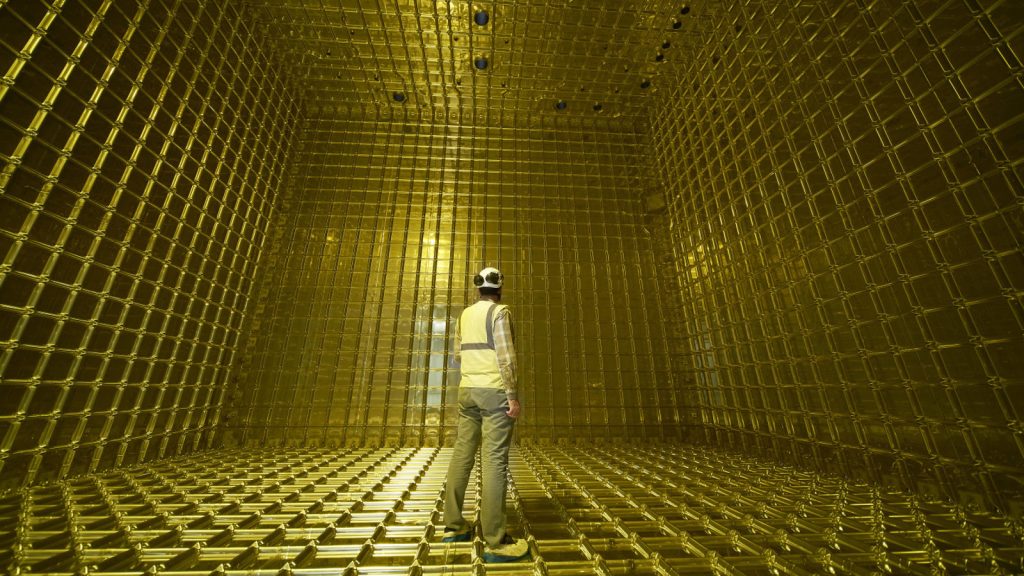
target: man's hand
513 409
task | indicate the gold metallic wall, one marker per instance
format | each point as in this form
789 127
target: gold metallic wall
844 192
386 224
791 228
141 149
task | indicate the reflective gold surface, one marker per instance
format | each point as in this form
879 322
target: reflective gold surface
654 510
844 210
600 58
240 231
142 148
385 225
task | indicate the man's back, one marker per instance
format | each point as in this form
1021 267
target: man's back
479 355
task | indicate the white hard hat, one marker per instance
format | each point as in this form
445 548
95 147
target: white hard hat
488 278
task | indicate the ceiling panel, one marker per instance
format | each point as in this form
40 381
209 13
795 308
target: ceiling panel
515 57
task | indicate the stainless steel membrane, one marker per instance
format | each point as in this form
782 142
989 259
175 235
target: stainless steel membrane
616 509
763 260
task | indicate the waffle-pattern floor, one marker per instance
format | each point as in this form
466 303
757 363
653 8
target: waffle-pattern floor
606 509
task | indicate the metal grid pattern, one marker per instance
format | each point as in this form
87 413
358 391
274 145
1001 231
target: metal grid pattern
141 147
385 224
408 55
844 189
610 509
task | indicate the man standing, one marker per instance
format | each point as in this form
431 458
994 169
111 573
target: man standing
488 407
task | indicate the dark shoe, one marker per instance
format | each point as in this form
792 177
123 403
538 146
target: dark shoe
510 550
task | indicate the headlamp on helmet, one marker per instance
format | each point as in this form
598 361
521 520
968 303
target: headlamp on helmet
488 278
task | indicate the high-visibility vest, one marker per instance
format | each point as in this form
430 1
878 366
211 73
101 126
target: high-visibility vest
479 359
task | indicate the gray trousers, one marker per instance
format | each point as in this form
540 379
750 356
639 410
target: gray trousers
481 414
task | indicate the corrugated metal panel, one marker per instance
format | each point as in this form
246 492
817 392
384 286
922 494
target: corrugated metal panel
387 224
611 510
240 231
845 217
142 149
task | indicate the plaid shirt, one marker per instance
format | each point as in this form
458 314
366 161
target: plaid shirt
503 347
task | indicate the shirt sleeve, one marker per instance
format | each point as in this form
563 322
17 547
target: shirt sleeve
506 352
457 348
